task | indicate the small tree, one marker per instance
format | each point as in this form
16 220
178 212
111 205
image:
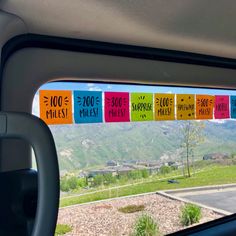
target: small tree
165 170
191 134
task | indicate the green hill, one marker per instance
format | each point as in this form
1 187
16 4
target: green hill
86 145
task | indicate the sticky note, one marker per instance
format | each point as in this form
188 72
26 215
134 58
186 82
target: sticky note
87 107
204 107
233 106
56 106
185 106
221 107
141 106
164 106
116 106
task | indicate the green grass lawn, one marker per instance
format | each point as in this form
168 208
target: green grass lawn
121 183
62 229
210 176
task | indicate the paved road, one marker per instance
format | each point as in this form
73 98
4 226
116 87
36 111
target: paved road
224 200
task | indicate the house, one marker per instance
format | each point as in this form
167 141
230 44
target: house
93 173
124 170
215 156
142 163
82 174
153 163
129 166
112 163
171 163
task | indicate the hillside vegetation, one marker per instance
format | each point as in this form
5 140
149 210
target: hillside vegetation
87 145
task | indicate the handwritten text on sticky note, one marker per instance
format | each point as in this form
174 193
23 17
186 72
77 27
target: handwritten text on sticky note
116 106
56 106
185 106
221 107
141 106
164 106
204 107
87 107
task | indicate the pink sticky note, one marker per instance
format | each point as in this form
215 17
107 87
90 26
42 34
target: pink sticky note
116 106
221 107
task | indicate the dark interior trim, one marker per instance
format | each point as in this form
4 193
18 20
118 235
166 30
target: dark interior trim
96 47
210 225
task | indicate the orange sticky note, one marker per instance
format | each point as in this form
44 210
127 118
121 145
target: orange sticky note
56 106
185 106
204 107
164 106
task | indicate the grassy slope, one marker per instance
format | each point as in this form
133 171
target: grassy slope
211 176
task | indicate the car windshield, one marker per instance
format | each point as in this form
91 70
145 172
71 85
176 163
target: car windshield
135 159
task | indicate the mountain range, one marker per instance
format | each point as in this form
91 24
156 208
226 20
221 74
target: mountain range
88 145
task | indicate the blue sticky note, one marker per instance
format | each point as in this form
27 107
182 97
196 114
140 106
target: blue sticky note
87 107
233 106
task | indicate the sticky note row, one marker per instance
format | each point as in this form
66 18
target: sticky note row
94 106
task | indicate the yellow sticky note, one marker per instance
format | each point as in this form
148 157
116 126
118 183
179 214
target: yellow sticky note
204 107
56 106
185 106
164 106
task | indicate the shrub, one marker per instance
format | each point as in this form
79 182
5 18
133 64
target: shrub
145 173
135 174
174 167
145 226
72 182
165 170
62 229
131 208
190 214
123 178
64 185
82 182
98 180
109 178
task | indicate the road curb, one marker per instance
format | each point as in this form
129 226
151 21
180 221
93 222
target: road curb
196 189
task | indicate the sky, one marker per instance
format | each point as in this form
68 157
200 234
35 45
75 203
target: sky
132 88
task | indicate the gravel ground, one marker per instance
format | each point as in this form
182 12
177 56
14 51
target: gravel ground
103 219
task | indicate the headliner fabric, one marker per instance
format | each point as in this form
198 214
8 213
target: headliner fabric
201 26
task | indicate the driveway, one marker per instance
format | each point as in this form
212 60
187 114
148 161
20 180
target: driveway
222 198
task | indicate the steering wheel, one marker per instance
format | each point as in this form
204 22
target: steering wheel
36 132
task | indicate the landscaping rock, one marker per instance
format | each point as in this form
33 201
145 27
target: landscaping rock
103 218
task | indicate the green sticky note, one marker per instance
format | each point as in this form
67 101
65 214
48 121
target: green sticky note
141 106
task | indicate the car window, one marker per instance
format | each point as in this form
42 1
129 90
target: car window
137 158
